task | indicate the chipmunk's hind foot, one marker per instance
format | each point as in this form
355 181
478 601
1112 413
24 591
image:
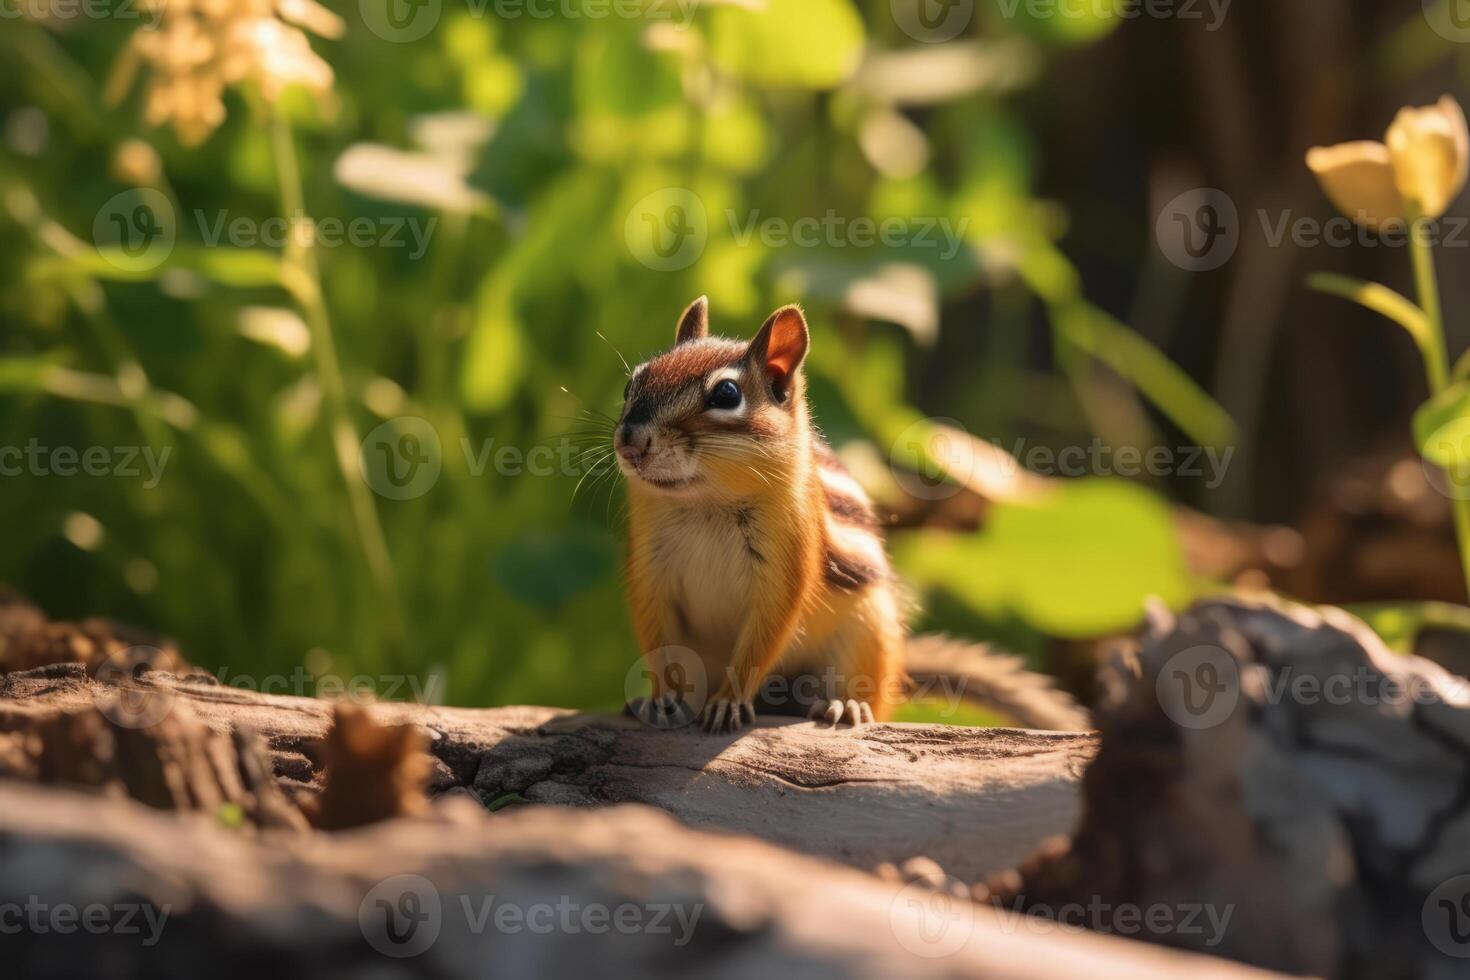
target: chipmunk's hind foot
837 711
666 712
722 716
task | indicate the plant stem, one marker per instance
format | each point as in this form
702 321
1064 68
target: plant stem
1436 360
302 278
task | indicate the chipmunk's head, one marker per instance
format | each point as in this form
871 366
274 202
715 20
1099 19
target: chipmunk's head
716 416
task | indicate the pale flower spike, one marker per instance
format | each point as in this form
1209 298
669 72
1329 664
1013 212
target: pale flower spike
200 47
1424 162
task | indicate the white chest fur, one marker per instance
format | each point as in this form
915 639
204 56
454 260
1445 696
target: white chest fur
703 563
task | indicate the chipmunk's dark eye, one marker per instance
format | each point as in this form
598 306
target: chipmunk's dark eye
726 395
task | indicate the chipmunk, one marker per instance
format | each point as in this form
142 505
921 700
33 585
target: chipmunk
750 544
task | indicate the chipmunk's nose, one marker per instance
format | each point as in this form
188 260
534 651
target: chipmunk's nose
633 442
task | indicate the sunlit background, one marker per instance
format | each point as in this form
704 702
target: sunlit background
510 198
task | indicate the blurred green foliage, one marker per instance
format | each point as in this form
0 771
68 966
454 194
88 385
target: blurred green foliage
251 549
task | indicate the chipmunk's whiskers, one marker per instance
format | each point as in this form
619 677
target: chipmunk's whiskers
609 343
591 470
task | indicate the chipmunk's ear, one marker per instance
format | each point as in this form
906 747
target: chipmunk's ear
780 347
693 322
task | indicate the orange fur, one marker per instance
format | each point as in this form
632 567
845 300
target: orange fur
736 550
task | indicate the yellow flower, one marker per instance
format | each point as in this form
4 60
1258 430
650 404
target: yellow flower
1431 155
1424 163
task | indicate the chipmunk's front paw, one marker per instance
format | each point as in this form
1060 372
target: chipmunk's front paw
665 712
723 715
835 712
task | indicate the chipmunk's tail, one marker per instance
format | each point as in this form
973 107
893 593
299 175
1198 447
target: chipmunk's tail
975 672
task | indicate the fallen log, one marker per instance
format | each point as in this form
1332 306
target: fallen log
110 887
977 800
1279 761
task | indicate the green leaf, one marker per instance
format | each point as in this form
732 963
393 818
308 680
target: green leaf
1149 370
1080 562
240 267
1442 427
1379 299
802 43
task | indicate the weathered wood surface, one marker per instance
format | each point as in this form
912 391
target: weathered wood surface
976 800
536 891
1280 761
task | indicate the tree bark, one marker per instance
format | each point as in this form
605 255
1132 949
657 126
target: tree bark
975 800
542 891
